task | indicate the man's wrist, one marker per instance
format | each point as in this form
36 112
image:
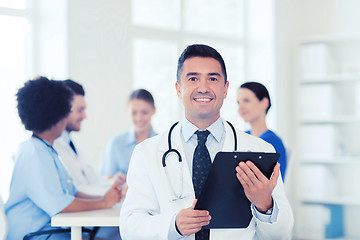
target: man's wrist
269 211
266 210
262 211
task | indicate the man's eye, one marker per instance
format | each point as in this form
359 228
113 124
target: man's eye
213 79
192 79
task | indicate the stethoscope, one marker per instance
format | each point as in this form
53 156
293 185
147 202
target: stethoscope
179 158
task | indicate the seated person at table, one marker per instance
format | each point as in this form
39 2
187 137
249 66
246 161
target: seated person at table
85 178
40 186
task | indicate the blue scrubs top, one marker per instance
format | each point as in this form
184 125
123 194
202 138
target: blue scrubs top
40 188
118 153
270 137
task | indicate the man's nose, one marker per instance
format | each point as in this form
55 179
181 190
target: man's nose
203 86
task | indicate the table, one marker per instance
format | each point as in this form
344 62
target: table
95 218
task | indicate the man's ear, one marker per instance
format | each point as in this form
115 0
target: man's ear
178 90
226 89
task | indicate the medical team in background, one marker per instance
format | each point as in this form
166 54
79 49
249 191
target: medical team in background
41 186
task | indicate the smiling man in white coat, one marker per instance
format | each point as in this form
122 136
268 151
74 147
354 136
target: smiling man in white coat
161 197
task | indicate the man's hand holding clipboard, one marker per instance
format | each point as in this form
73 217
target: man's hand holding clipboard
235 180
257 187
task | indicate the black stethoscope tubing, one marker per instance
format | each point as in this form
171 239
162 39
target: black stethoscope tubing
170 150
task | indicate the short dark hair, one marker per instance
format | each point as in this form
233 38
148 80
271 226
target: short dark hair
77 88
42 103
259 90
142 94
200 50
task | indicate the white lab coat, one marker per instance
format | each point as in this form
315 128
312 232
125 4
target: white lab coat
148 211
84 178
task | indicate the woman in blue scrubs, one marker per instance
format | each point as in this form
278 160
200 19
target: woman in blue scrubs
254 103
118 151
40 186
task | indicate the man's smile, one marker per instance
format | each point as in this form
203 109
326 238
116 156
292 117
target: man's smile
203 99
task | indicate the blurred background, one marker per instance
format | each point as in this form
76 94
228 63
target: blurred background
306 52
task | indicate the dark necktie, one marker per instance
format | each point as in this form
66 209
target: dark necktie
201 168
72 146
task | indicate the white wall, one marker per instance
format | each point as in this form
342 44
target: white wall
49 43
294 20
99 50
288 27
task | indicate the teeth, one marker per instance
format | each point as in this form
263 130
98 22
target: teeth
202 99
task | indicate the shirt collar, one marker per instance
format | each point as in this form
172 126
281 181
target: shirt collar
152 132
132 136
131 139
66 136
216 129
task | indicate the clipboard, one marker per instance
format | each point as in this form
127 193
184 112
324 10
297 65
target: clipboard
223 195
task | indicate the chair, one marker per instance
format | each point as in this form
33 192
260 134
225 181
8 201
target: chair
4 228
61 230
3 221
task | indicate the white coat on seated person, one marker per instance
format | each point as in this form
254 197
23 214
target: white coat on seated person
84 177
148 211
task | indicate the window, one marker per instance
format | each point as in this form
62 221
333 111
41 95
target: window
154 64
28 45
13 4
161 35
14 48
